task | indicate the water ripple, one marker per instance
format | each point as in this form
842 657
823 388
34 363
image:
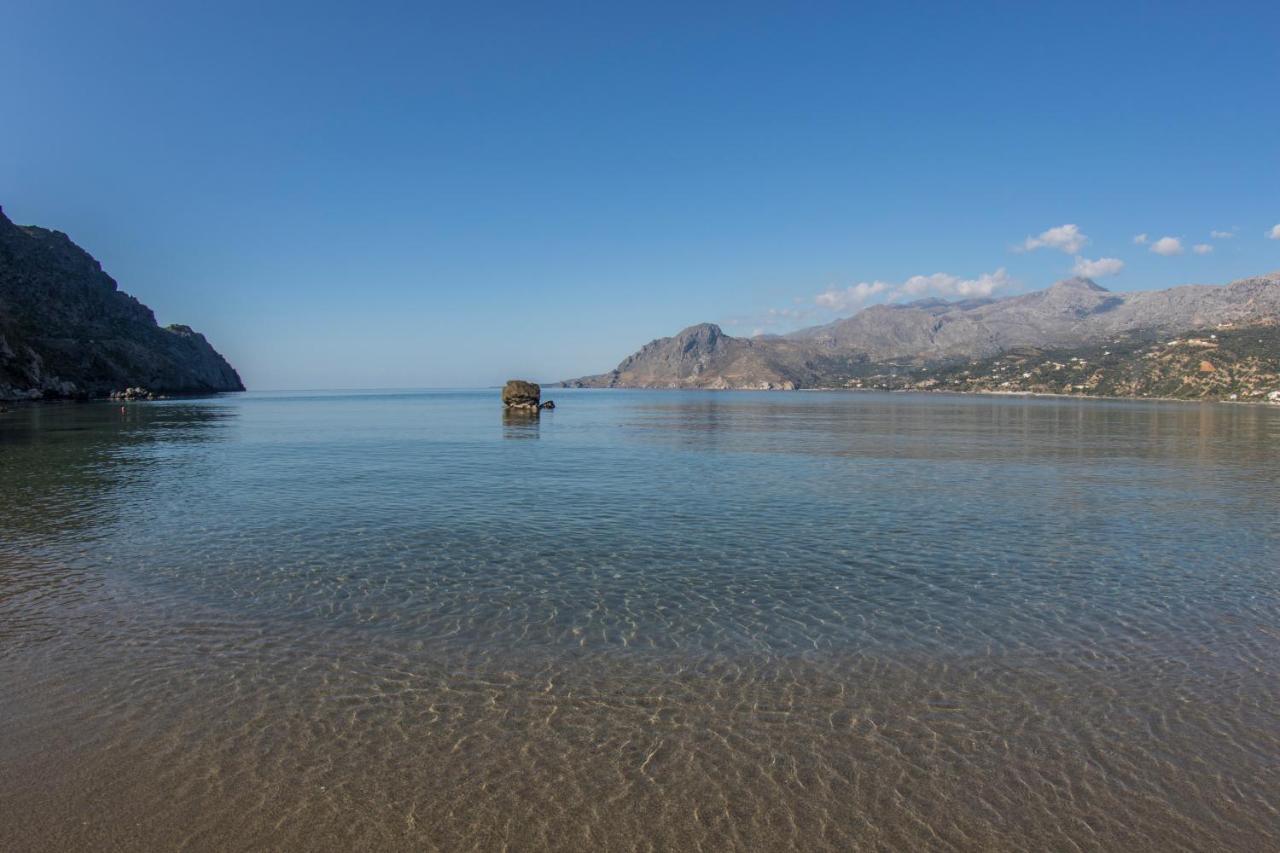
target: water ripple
649 621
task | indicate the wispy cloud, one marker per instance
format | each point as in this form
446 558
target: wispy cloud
1139 239
945 284
1202 248
857 296
1167 246
1064 238
774 319
1097 269
1274 234
1222 235
852 297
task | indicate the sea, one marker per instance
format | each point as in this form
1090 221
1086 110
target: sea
646 620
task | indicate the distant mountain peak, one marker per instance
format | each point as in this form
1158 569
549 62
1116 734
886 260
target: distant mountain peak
1078 283
701 330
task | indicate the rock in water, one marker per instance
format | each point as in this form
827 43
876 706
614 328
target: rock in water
519 394
135 394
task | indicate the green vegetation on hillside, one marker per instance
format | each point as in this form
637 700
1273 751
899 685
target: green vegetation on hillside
1221 363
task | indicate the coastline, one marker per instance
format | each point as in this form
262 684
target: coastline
13 402
931 392
9 404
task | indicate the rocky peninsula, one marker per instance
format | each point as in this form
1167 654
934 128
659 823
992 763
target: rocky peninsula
68 332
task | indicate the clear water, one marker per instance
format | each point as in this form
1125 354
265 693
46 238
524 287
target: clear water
647 620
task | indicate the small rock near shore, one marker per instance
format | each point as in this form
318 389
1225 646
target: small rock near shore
134 394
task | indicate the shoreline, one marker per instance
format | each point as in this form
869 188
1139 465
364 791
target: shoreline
1051 394
177 395
956 393
10 404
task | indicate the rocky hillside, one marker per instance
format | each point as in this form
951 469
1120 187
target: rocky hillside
1070 313
67 331
1225 362
934 333
703 356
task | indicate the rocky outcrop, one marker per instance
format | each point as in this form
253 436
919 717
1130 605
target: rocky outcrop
520 395
135 394
1071 313
67 331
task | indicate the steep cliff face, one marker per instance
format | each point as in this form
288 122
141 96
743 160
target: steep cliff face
1071 313
67 331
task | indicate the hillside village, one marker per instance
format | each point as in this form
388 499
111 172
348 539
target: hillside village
1220 363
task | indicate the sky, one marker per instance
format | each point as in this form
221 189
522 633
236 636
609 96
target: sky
385 195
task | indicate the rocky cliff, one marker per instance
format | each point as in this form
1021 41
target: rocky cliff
67 331
1072 313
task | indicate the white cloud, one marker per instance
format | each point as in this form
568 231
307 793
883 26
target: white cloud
1097 269
1064 238
1140 239
1275 233
1222 235
1167 246
938 284
1202 248
853 296
944 284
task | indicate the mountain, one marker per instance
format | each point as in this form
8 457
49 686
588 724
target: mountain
1072 313
67 331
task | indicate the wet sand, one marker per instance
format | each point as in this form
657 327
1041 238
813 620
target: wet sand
331 745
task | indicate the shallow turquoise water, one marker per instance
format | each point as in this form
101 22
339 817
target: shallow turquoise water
693 619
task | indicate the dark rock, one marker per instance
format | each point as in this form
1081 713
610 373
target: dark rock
550 404
519 394
68 332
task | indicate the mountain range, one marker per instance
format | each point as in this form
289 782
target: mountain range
1076 312
68 331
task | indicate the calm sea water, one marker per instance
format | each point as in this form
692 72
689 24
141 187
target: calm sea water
647 620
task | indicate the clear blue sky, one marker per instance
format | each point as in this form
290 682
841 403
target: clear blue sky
392 195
